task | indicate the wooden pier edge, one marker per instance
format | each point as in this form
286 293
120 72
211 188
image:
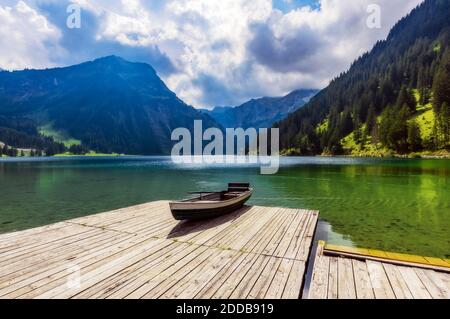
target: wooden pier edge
347 273
383 256
142 252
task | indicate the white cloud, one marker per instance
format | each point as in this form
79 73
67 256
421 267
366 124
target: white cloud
27 39
224 52
313 46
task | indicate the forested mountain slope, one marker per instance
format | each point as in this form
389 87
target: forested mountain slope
107 105
395 99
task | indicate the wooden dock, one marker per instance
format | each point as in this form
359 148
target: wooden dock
142 252
354 273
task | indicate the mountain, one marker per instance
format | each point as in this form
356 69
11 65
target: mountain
261 113
108 105
394 99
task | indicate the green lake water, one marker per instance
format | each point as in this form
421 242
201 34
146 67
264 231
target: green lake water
392 204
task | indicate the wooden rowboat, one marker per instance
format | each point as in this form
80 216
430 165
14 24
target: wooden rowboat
212 204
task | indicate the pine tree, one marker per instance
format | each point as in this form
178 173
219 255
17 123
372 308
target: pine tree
346 125
406 97
371 120
357 136
441 83
385 125
375 134
49 151
394 128
401 128
414 139
421 77
363 138
444 120
13 152
424 96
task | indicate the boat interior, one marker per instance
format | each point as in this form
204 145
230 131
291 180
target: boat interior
215 197
234 190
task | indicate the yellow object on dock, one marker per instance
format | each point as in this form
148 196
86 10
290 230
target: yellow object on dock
393 257
355 273
142 252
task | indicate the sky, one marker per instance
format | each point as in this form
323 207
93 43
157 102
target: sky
209 52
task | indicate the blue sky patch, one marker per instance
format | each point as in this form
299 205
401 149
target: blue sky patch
289 5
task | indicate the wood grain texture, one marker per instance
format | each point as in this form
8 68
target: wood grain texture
142 252
352 275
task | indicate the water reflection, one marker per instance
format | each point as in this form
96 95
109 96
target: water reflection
398 205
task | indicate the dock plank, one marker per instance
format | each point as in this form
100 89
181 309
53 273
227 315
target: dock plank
363 284
333 279
233 282
213 285
337 270
142 252
280 279
32 269
264 280
415 285
293 288
435 290
398 284
320 276
346 279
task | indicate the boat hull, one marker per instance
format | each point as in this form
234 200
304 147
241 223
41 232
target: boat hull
202 210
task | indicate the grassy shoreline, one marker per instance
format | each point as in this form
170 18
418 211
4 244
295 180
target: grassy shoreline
69 155
90 154
441 154
423 155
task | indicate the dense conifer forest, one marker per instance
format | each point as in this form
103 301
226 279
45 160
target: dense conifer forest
393 100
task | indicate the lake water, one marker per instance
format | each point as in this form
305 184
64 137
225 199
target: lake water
391 204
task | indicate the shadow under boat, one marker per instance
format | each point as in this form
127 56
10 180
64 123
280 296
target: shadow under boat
193 226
